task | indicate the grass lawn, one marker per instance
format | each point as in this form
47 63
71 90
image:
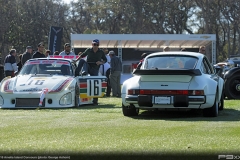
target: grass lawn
101 130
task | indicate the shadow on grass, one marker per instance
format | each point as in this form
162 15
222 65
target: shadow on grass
192 115
90 106
81 107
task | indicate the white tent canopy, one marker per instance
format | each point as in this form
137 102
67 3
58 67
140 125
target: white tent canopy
146 41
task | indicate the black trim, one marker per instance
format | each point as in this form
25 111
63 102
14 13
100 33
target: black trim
28 102
131 99
180 101
145 100
196 99
191 72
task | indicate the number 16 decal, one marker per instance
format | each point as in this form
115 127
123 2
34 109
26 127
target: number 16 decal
38 82
94 87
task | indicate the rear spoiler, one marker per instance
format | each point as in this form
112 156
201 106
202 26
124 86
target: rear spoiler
191 72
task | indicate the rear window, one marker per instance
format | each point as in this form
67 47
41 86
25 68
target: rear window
170 62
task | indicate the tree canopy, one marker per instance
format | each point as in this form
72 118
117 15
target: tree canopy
27 22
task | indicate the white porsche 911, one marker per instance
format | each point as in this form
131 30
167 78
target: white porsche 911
49 83
174 80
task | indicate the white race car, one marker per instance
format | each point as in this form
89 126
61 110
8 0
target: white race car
174 80
50 83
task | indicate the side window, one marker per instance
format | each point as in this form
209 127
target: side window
203 68
208 66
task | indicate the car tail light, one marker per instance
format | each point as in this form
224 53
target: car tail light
196 92
133 92
164 92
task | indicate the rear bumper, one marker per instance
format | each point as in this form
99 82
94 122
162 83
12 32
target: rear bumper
148 101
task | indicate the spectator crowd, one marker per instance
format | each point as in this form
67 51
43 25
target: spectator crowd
91 62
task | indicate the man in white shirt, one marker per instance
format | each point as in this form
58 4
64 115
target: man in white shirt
105 71
67 50
105 50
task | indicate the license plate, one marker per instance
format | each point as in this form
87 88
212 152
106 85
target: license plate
162 100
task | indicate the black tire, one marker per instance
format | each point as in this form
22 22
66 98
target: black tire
232 87
130 110
212 111
221 104
77 92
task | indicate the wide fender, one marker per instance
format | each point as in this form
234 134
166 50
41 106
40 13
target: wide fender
229 73
132 83
204 82
220 88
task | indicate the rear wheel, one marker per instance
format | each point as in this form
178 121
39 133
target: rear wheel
77 92
130 110
232 87
212 111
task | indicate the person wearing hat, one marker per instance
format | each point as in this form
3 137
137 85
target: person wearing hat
95 58
10 65
166 49
115 74
67 50
27 54
39 53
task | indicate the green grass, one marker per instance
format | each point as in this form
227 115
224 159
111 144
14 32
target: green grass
103 129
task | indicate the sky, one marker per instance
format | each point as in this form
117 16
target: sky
67 1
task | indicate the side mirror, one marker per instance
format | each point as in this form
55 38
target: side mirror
218 71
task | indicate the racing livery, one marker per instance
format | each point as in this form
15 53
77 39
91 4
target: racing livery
50 83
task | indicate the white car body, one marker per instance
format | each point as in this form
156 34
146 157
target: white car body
46 74
164 81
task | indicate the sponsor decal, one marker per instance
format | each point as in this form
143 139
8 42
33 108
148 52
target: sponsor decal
55 38
65 57
31 90
48 62
205 37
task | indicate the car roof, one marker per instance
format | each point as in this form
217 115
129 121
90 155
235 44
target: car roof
194 54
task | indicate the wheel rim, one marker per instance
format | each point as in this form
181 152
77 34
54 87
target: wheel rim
234 87
238 87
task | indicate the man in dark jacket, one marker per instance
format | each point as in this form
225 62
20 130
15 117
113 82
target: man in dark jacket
10 65
141 61
95 57
19 64
39 52
27 55
115 74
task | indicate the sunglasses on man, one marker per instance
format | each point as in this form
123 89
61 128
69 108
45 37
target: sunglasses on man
95 44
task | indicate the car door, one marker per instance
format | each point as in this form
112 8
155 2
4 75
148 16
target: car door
91 87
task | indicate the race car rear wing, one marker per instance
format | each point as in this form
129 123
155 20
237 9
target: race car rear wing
65 57
191 72
73 57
